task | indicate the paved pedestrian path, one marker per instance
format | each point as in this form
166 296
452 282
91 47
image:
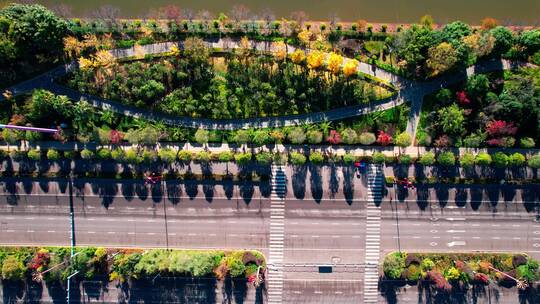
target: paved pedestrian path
373 233
277 235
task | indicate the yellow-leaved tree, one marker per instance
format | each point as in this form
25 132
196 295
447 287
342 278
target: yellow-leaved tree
315 60
298 56
280 50
334 62
350 67
85 64
305 37
72 47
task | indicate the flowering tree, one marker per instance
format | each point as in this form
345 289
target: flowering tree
334 63
350 67
334 137
497 128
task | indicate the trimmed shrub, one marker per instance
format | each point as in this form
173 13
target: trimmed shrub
148 156
403 140
466 160
527 143
12 269
423 139
297 158
53 155
261 138
348 158
316 157
132 157
87 154
367 138
427 159
167 155
483 159
202 136
516 160
103 154
474 140
393 265
34 154
118 154
314 136
405 159
203 157
446 159
264 158
348 136
296 136
242 137
225 156
243 158
185 156
379 158
500 160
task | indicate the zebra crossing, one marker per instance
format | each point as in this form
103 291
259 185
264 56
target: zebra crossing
277 235
373 234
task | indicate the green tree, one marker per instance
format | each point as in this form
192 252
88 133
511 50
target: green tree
296 136
516 160
53 155
504 39
348 158
167 155
34 154
316 157
441 58
394 265
264 158
242 137
379 158
243 158
261 138
534 161
446 159
348 136
12 269
403 140
225 156
297 159
314 136
203 157
201 136
104 154
87 154
427 159
527 143
483 159
466 160
500 160
451 120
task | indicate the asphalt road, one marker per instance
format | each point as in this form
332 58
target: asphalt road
319 229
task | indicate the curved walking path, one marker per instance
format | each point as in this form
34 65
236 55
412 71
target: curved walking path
407 90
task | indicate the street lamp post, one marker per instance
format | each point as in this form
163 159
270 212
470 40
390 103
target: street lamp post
72 234
397 215
162 182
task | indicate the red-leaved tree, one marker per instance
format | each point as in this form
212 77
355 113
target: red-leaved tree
498 128
383 138
115 137
334 137
462 98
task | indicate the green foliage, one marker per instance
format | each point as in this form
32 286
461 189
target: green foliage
225 156
394 265
87 154
184 156
316 157
148 156
201 136
314 136
366 138
500 160
348 136
104 154
534 161
167 155
132 157
474 140
296 136
242 137
483 159
379 158
527 143
423 139
236 266
264 158
467 160
516 159
403 140
149 135
297 159
348 158
405 159
203 157
446 159
11 136
427 264
451 120
261 138
427 159
12 269
117 155
243 158
34 154
452 274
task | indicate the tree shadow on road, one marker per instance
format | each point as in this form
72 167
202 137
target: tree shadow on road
441 193
128 190
348 184
299 181
173 191
141 190
461 197
192 188
493 195
11 188
315 182
334 181
422 195
228 187
476 197
208 190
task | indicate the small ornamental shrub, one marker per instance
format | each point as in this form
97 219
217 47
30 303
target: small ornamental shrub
185 156
132 157
203 157
452 274
264 158
446 159
243 158
103 154
500 160
314 137
384 139
427 264
474 140
527 143
242 137
367 138
334 137
348 136
296 136
117 155
316 157
261 138
405 159
167 155
70 154
87 154
394 265
423 139
500 128
34 154
516 160
403 140
427 159
503 142
225 156
148 156
12 269
277 136
483 159
379 158
297 158
348 158
467 160
53 155
202 136
534 161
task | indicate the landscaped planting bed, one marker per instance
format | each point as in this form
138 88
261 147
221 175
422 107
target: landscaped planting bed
496 110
